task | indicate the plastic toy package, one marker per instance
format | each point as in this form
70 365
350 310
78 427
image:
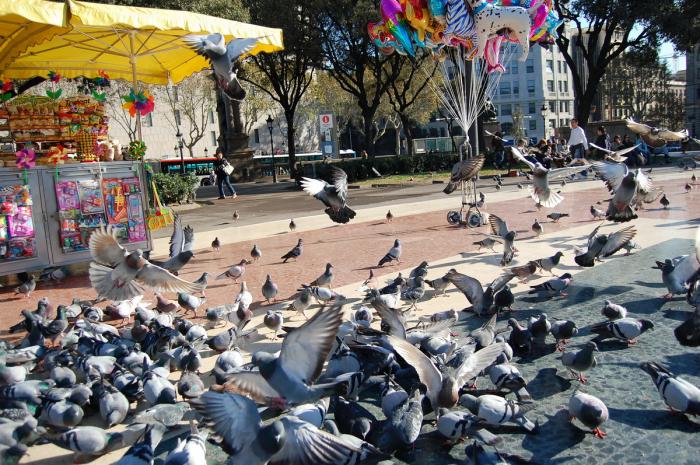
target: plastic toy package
16 222
115 200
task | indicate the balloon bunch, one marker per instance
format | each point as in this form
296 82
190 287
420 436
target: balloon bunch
480 26
141 102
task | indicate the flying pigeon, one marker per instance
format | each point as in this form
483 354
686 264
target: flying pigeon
626 186
463 171
394 254
615 155
655 137
295 252
589 410
334 196
540 191
223 58
120 275
480 298
503 234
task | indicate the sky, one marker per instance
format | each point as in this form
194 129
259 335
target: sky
667 54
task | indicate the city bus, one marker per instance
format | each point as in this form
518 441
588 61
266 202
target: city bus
200 167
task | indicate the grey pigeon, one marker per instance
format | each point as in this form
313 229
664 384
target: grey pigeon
539 328
113 404
506 376
581 360
176 263
597 213
190 302
486 242
604 245
166 414
27 287
664 201
255 253
63 414
216 244
223 58
480 298
630 246
292 225
143 451
389 217
118 274
613 311
463 171
295 252
678 394
455 425
235 271
191 451
302 302
653 136
269 289
553 286
548 263
202 281
190 385
537 228
334 196
394 254
678 272
589 410
625 185
439 284
503 234
563 330
624 329
288 378
495 410
325 279
273 320
403 424
556 216
235 215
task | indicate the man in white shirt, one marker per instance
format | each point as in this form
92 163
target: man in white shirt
578 143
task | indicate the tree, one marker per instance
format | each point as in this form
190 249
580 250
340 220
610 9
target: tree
351 58
604 29
285 76
255 105
192 102
117 112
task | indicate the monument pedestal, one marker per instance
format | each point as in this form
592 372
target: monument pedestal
240 156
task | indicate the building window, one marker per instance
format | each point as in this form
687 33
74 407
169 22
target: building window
507 128
504 88
178 120
531 87
566 106
514 67
530 66
256 135
533 124
565 86
506 110
550 66
531 108
558 66
176 95
516 88
211 116
552 106
550 85
213 139
552 123
148 120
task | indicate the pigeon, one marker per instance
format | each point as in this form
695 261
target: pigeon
539 328
540 191
223 58
482 200
480 298
190 385
176 263
439 284
624 329
288 439
520 186
235 271
113 404
301 303
27 287
548 263
506 376
273 320
269 289
693 179
653 136
613 311
476 454
553 286
581 360
389 217
120 275
216 244
597 213
626 186
295 252
562 330
89 442
604 245
202 281
615 155
288 378
126 308
676 273
554 216
537 228
191 451
688 333
165 414
463 171
334 196
57 326
62 414
143 451
523 272
255 253
189 302
495 410
519 338
630 246
394 254
323 294
486 242
235 216
688 188
502 233
664 201
164 305
325 279
589 410
678 394
292 225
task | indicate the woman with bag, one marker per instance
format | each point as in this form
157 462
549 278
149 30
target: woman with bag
223 170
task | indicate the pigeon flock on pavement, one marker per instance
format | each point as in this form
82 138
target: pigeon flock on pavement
71 376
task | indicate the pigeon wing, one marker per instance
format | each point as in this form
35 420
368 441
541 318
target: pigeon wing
558 173
239 47
673 135
498 283
600 148
105 248
611 173
426 369
234 418
519 155
479 360
617 240
189 239
644 185
211 46
470 287
250 384
177 239
315 188
639 128
163 281
305 349
390 317
498 226
340 182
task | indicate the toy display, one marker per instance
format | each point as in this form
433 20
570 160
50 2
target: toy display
16 223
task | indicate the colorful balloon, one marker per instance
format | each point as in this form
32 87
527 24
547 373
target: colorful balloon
418 16
392 14
437 9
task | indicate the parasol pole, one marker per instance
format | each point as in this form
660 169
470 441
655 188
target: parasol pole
132 60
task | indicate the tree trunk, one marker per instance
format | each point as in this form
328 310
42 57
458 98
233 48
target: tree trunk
406 123
291 149
367 116
397 136
190 150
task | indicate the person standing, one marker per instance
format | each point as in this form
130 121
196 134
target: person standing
223 169
603 141
499 153
577 140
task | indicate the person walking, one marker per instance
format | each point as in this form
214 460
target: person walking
577 140
223 170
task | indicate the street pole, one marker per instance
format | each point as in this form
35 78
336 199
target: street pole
180 144
269 122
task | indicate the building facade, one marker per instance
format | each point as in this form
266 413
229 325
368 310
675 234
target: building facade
537 94
692 90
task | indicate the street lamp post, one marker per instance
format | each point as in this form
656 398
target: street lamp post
269 122
181 144
543 112
206 152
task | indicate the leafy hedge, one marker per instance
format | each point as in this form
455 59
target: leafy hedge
176 188
359 169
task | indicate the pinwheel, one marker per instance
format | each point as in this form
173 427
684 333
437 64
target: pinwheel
141 101
57 154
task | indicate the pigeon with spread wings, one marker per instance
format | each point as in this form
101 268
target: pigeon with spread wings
506 236
540 191
656 137
223 58
480 298
463 171
626 186
121 275
604 245
615 155
334 196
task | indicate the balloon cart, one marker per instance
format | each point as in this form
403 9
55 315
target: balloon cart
469 214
